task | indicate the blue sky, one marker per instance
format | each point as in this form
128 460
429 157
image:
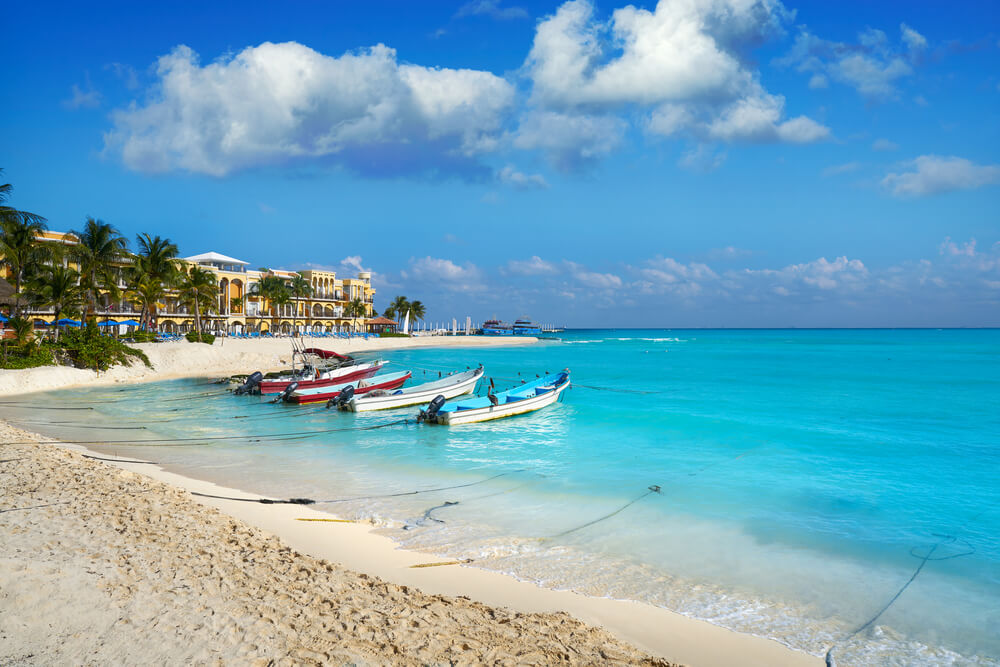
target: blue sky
684 163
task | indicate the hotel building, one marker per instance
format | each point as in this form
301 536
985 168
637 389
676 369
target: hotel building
238 307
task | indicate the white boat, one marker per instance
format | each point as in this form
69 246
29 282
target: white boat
450 386
528 397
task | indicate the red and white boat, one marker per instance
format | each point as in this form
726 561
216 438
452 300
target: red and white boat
304 395
327 378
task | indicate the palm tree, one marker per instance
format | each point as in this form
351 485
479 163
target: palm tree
23 253
58 287
397 308
23 328
199 290
154 271
274 291
355 309
99 250
299 288
417 310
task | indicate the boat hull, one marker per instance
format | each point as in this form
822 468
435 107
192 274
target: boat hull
324 396
369 403
521 407
278 386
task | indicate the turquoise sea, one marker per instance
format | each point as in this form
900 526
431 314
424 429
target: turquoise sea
805 475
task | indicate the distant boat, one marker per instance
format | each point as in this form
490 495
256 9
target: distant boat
497 328
314 394
333 376
529 397
449 387
525 327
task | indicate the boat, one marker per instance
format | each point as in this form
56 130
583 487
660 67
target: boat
322 378
304 396
327 354
525 327
496 328
528 397
449 386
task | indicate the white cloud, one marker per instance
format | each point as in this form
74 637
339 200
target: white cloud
353 262
913 39
681 61
949 248
492 9
535 266
873 66
594 279
935 174
83 99
756 119
839 169
276 102
569 140
702 158
445 273
884 145
521 181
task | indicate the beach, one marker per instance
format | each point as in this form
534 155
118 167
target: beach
116 562
226 356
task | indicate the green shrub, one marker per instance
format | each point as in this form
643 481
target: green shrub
192 337
390 334
144 337
28 358
87 348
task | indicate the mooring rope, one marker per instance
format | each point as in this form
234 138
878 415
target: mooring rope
926 558
160 442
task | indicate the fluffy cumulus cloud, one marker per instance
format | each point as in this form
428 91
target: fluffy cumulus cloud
279 102
873 66
683 63
935 174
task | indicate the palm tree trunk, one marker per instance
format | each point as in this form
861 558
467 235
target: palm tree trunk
197 315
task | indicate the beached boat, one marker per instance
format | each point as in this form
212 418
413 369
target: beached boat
323 378
304 395
450 386
528 397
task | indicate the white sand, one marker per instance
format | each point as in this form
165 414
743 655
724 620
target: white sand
81 583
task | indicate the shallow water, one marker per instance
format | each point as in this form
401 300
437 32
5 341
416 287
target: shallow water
803 475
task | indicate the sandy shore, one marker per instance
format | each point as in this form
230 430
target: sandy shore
104 566
116 562
227 356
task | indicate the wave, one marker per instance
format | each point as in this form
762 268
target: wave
578 342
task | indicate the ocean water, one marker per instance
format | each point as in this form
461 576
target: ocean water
804 475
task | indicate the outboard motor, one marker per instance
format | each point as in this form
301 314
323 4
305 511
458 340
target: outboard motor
346 394
283 396
250 384
433 407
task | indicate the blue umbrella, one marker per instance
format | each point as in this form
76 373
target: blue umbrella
107 323
66 322
129 323
4 318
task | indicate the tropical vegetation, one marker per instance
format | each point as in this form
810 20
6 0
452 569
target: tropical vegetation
400 306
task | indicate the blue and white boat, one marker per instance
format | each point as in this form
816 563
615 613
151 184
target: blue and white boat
497 328
525 327
528 397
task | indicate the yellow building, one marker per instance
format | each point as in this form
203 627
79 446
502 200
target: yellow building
239 308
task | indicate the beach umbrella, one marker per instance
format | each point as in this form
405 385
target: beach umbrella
4 318
129 323
66 322
107 323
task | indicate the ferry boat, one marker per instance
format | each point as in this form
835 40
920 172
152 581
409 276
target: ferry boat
525 327
497 328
